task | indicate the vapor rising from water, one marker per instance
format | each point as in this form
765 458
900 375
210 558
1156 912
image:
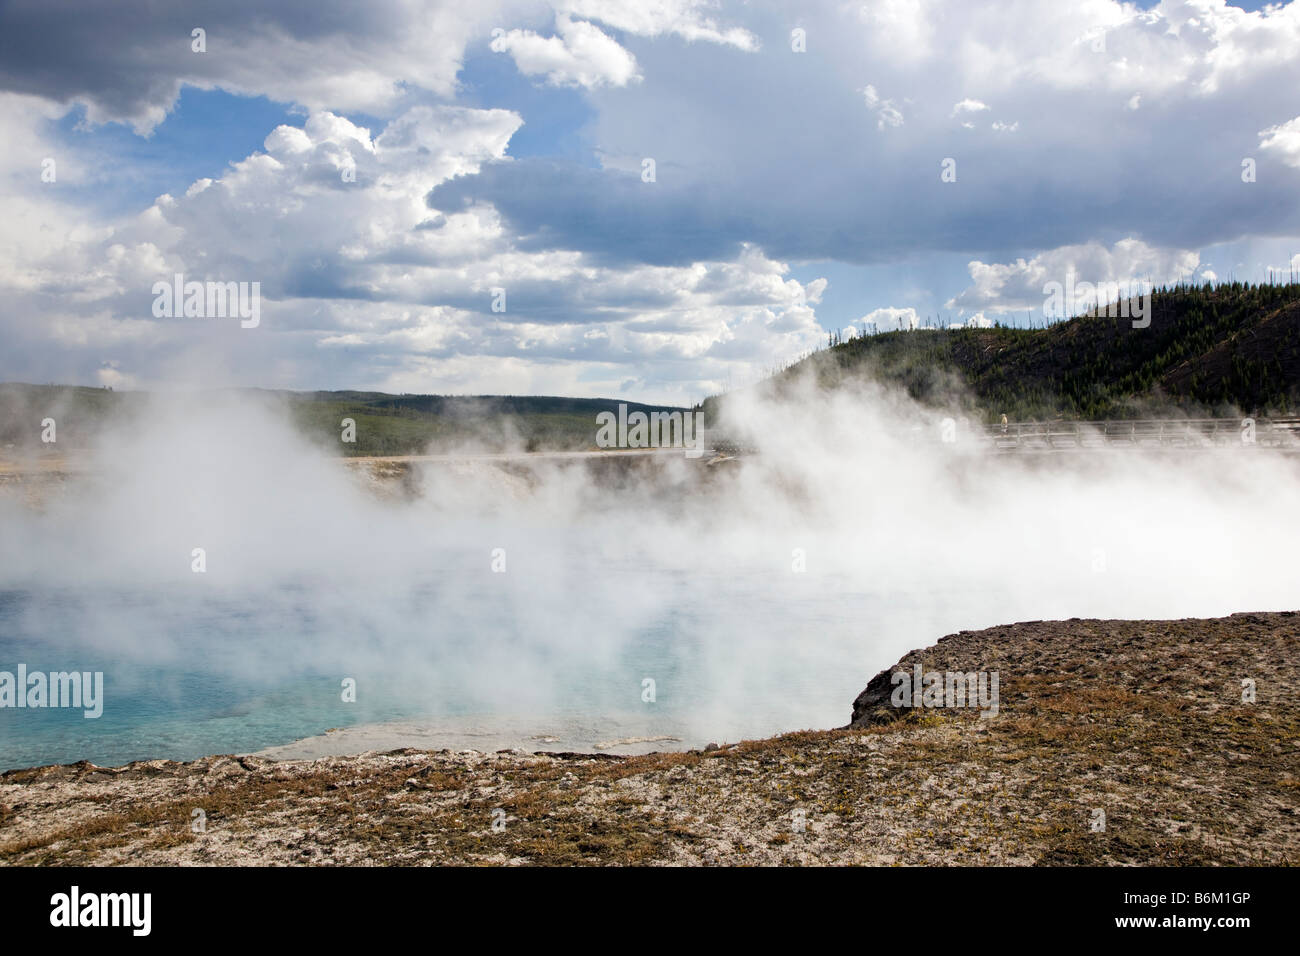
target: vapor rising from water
761 599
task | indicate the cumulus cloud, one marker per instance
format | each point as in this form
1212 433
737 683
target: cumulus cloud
1284 140
1001 287
736 163
362 280
127 61
976 321
380 226
580 55
683 18
890 319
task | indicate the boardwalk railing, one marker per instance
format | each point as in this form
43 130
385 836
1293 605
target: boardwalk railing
726 445
1277 433
1145 433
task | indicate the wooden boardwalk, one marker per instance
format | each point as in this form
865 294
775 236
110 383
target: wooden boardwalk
1186 434
1196 434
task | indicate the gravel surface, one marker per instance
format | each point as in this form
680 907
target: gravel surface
1115 742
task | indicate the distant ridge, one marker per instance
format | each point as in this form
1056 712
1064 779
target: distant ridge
385 424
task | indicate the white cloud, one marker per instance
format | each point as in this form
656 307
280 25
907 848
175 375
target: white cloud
651 18
1019 285
890 319
901 30
367 276
364 284
1283 140
976 321
128 60
581 55
968 106
887 115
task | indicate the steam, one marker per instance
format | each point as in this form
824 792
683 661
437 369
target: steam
685 574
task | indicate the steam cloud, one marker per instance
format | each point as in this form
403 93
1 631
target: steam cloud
685 581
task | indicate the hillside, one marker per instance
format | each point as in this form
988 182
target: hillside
1222 350
385 424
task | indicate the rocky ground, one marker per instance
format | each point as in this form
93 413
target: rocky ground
1143 721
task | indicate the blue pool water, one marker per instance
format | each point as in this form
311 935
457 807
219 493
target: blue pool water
189 673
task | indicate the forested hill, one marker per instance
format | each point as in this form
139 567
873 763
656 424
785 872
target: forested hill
384 424
1221 350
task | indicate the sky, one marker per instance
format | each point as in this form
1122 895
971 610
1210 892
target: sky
655 201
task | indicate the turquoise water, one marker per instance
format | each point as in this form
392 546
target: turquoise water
189 673
180 705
